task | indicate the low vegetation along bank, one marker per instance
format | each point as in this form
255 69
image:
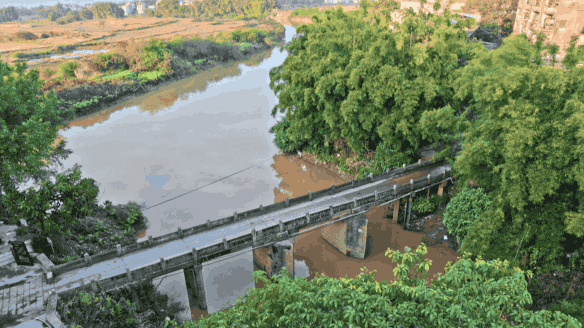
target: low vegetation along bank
94 82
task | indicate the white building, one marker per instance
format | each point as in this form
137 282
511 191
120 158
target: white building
128 8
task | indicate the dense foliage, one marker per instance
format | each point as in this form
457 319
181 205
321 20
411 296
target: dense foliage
117 308
424 84
464 210
68 199
25 133
282 141
106 10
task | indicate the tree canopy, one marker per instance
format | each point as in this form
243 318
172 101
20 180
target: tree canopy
8 14
347 78
29 125
525 149
521 123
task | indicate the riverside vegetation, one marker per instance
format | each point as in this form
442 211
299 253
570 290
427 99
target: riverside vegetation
349 77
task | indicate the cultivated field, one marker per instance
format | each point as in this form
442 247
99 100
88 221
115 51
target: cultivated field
102 34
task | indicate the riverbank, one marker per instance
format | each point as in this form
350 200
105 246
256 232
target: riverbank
91 96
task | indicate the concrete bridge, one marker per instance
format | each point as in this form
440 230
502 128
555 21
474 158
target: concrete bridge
218 258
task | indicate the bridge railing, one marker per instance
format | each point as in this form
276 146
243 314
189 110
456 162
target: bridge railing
265 236
236 217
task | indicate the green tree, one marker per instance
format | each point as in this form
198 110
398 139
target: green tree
524 148
8 14
469 294
168 8
346 78
86 14
464 210
68 200
104 10
29 124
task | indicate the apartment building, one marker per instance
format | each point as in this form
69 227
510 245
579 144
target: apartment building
128 8
561 21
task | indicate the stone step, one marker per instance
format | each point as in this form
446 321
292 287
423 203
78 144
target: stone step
25 299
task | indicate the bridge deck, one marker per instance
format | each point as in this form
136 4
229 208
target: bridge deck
11 299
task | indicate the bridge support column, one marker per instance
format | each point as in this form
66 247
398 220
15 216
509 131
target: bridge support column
283 257
195 285
272 259
348 236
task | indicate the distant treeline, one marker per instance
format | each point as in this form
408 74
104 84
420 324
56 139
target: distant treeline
212 8
61 14
8 14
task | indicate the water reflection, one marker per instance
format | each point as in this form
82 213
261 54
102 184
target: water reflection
76 53
184 136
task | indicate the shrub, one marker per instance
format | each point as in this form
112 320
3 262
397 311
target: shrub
111 61
464 211
423 205
574 308
282 140
244 46
126 215
123 75
21 230
24 35
67 69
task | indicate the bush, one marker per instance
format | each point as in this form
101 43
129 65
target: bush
574 308
129 214
387 157
282 141
21 230
464 211
111 61
67 69
97 309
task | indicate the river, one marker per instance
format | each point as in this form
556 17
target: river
182 137
185 135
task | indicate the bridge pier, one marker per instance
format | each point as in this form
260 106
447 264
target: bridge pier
348 236
272 259
196 285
